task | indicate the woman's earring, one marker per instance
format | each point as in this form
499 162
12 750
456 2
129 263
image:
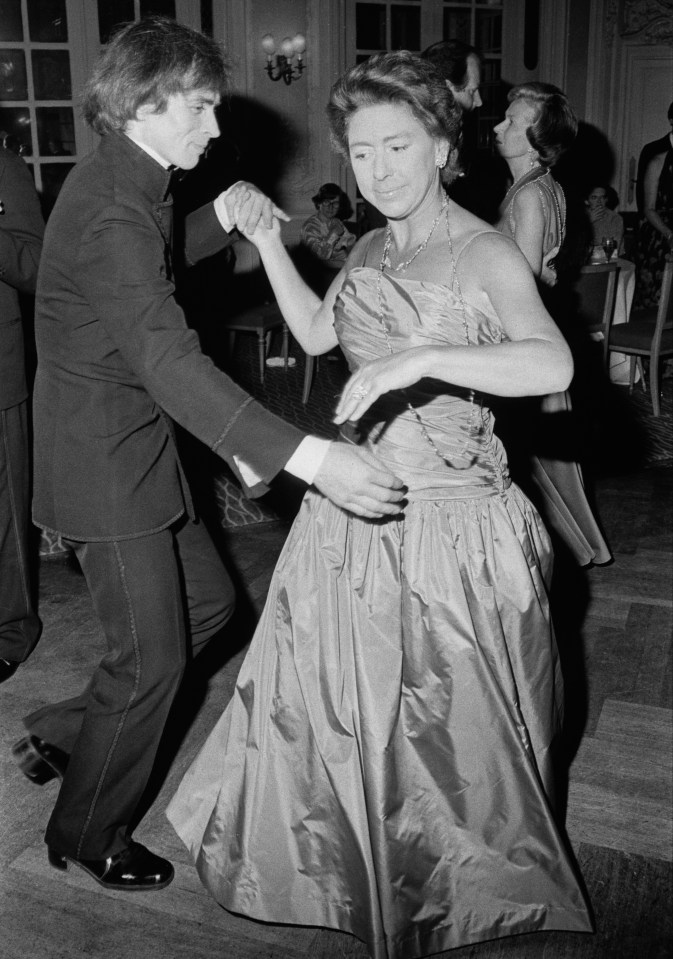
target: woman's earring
440 161
533 158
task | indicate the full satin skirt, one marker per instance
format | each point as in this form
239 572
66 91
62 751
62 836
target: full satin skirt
384 766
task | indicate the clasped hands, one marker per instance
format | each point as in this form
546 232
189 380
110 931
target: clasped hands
245 207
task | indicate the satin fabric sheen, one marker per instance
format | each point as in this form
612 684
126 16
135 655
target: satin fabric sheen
384 764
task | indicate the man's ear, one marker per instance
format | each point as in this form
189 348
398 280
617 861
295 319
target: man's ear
144 111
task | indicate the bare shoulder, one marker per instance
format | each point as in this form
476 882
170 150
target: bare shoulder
368 245
490 260
526 201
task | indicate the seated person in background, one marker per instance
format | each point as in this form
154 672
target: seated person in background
605 221
324 233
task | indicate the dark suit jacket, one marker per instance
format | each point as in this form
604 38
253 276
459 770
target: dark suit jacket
648 151
21 230
117 362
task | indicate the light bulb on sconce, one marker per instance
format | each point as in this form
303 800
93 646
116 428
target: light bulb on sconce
281 65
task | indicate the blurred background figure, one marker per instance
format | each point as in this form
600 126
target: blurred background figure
480 185
21 230
324 233
543 437
606 223
655 230
460 65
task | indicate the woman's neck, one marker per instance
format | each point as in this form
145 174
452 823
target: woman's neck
407 233
519 167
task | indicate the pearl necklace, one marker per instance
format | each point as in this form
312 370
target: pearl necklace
476 408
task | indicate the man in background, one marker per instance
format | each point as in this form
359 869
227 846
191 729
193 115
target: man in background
21 230
481 185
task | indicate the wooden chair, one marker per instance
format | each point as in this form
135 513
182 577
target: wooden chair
261 318
648 333
596 290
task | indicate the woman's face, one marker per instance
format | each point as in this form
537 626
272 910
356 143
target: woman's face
394 158
510 135
596 200
329 208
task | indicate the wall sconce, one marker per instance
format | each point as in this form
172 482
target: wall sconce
284 66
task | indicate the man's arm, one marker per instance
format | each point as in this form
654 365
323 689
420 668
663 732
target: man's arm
121 274
21 225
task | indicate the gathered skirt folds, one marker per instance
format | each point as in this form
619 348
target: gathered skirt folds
384 765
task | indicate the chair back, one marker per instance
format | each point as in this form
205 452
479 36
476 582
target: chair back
665 309
596 290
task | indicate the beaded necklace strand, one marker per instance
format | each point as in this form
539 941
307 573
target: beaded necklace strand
385 262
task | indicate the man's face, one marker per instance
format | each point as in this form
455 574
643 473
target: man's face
468 98
181 133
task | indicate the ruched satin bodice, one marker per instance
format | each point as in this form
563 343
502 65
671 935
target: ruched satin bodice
419 313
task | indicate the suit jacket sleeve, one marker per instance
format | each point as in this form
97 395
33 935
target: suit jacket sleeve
21 225
122 272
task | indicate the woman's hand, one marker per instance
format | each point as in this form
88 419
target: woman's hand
379 377
257 228
245 206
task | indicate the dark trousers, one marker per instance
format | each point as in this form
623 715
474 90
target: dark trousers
19 625
153 595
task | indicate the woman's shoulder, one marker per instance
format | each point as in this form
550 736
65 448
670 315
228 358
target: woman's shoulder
370 244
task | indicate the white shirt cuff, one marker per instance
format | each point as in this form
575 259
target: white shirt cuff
304 462
308 458
221 211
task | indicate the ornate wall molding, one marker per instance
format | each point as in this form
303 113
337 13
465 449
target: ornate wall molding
643 21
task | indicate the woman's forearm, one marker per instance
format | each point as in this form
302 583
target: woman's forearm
530 367
302 309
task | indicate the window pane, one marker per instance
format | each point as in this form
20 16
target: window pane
15 122
47 21
457 25
13 82
53 175
370 26
112 13
405 28
488 36
51 75
10 20
55 131
161 8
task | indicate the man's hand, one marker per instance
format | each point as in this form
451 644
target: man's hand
256 206
355 480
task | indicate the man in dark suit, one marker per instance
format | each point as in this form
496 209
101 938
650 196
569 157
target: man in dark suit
21 230
649 151
481 183
117 365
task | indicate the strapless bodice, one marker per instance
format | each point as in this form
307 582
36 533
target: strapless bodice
421 313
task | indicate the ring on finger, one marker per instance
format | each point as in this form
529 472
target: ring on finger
360 392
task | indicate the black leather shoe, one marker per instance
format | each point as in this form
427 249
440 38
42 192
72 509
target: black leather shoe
7 669
38 760
135 869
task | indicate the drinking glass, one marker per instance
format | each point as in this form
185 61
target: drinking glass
609 247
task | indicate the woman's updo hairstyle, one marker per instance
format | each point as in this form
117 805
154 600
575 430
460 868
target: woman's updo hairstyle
555 126
404 78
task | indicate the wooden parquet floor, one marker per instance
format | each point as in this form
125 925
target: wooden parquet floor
614 625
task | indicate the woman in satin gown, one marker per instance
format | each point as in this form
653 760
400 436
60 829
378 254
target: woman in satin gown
539 126
385 764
